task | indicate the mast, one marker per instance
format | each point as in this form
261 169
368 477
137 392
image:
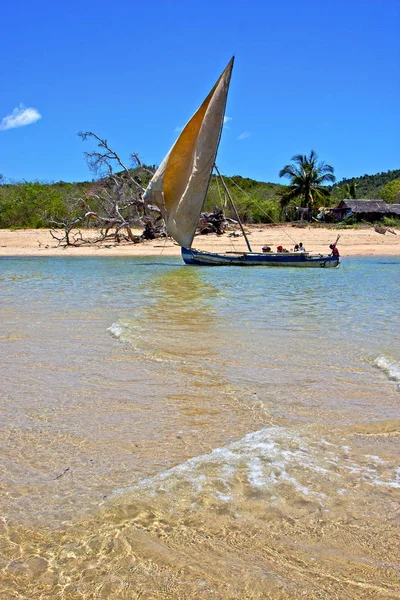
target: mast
234 208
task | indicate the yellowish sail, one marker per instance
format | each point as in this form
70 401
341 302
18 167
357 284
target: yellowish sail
179 186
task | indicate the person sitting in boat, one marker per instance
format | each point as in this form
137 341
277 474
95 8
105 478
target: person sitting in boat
296 248
266 248
335 251
301 248
280 249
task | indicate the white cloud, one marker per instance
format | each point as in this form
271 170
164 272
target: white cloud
244 135
20 117
227 119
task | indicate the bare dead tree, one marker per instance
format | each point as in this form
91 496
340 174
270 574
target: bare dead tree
103 162
214 222
66 230
113 204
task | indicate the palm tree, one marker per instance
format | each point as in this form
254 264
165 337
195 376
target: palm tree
350 191
306 179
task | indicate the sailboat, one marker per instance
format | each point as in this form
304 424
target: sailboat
179 188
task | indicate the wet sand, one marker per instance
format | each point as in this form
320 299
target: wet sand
353 242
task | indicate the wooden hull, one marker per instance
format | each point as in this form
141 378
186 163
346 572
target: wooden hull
258 259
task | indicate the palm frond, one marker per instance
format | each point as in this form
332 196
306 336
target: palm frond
290 195
306 178
288 171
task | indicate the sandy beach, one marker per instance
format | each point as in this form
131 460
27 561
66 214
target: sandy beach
353 242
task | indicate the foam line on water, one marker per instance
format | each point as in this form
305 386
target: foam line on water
389 365
262 462
134 335
116 329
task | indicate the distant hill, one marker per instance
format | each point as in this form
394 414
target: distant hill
369 186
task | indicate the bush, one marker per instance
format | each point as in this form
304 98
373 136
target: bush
391 222
27 205
350 220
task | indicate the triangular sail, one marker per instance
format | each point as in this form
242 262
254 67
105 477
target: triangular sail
179 186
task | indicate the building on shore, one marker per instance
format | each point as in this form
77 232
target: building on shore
363 210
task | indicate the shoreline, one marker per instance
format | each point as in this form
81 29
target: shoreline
353 242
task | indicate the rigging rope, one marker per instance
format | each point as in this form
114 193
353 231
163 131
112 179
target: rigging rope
258 205
224 203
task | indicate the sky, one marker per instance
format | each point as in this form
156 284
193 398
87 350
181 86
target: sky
322 75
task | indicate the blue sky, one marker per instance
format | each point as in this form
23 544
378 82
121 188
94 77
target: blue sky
312 74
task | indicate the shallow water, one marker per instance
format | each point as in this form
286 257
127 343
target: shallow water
178 432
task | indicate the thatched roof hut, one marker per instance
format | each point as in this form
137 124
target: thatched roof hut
362 209
394 209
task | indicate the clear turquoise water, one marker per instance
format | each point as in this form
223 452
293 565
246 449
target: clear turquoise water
121 378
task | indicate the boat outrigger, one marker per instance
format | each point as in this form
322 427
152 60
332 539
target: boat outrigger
179 188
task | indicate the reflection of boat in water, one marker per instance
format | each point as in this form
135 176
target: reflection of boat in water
179 188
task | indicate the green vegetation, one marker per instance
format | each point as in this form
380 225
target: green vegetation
390 192
390 222
31 204
256 201
307 178
384 185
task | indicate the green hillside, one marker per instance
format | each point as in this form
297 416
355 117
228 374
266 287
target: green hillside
34 204
256 201
385 185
